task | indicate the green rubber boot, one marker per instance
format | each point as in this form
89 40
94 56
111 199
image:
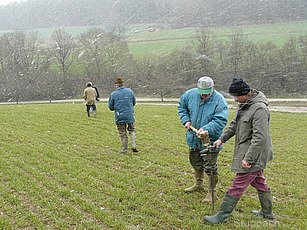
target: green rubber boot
265 199
199 185
227 206
124 141
213 179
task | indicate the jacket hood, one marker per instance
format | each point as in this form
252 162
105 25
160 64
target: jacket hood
257 97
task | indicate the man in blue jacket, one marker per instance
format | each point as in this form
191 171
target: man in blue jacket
206 110
122 101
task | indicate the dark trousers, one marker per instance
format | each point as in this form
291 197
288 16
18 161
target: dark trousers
207 163
88 107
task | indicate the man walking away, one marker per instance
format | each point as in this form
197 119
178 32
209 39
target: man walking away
89 96
122 101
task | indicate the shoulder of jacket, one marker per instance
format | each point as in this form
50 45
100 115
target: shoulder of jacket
191 92
259 105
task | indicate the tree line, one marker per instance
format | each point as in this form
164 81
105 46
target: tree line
34 14
59 69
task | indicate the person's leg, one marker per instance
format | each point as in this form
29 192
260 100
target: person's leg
259 182
132 132
240 183
197 163
211 169
94 110
123 137
232 197
88 110
264 196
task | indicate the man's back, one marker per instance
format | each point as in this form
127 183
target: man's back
90 94
122 101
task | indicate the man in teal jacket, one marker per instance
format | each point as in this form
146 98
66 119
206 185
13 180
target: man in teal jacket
122 101
206 110
253 149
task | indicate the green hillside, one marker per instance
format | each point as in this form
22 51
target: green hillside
163 41
145 43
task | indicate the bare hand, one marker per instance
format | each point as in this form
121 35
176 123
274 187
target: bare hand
187 125
245 164
217 143
203 134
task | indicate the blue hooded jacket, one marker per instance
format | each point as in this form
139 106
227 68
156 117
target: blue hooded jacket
122 100
210 115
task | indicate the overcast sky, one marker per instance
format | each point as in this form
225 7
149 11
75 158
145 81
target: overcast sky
5 2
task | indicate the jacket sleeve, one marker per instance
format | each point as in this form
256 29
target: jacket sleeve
260 128
97 93
219 120
183 110
229 132
133 99
111 103
84 94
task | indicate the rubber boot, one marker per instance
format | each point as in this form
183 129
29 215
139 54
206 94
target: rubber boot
133 142
227 206
124 141
265 199
212 185
199 176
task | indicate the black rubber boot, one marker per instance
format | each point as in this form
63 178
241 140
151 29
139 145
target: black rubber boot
265 199
227 206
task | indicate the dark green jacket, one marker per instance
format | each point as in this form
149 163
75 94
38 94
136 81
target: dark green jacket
252 134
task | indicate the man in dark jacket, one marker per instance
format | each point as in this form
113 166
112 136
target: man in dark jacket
252 151
97 96
122 101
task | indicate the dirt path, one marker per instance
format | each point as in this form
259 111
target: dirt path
279 108
174 102
289 109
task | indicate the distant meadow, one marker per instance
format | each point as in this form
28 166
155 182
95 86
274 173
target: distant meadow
164 41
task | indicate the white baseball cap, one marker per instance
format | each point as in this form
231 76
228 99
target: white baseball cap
205 85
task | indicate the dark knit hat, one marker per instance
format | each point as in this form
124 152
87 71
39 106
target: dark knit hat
238 87
119 81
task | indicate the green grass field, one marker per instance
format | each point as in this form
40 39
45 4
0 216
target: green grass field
144 43
162 42
62 170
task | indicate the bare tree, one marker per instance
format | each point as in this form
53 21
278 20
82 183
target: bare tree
104 55
63 46
19 63
207 48
92 53
167 75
